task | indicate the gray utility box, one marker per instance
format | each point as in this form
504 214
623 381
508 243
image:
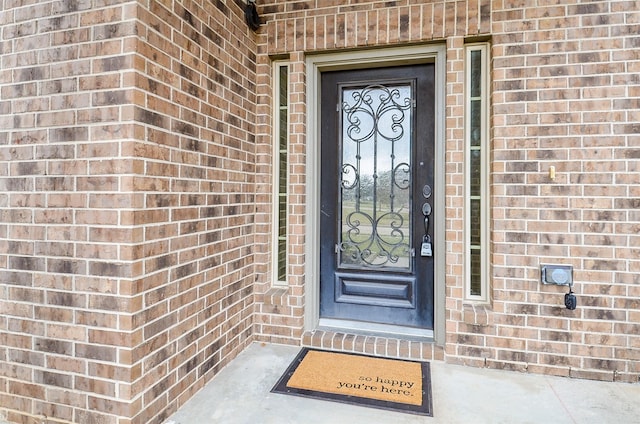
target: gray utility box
561 275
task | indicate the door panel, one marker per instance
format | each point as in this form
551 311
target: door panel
377 137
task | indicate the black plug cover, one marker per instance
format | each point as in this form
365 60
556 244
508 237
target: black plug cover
570 301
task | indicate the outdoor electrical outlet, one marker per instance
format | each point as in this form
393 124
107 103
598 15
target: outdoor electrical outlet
561 275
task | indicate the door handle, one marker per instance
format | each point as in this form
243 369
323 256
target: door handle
425 249
426 211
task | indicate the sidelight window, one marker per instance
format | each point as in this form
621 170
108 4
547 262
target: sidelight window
280 171
476 172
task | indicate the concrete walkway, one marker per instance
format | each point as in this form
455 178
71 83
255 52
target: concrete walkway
240 394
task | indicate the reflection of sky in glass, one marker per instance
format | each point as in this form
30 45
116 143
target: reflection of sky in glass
392 124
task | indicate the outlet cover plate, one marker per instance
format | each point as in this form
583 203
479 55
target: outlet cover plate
561 275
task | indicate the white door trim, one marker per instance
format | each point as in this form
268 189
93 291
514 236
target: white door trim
315 64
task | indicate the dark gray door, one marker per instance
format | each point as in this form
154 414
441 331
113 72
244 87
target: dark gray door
377 138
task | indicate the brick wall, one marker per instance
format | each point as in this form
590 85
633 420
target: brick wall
135 151
197 71
565 93
127 171
66 228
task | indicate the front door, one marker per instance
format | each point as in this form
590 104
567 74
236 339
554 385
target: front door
377 160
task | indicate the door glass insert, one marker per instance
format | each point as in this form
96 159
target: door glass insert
376 181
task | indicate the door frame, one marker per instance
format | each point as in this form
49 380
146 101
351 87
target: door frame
315 65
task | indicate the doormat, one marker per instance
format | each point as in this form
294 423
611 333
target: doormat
392 384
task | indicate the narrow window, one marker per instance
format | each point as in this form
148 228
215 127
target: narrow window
476 172
280 171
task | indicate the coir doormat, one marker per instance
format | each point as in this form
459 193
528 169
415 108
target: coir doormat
392 384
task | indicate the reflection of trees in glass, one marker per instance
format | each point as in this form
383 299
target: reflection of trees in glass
384 191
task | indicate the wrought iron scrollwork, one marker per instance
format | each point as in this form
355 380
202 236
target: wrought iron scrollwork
376 177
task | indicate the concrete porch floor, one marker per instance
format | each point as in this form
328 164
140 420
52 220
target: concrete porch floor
240 394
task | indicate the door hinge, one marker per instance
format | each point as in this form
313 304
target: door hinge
336 249
413 252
